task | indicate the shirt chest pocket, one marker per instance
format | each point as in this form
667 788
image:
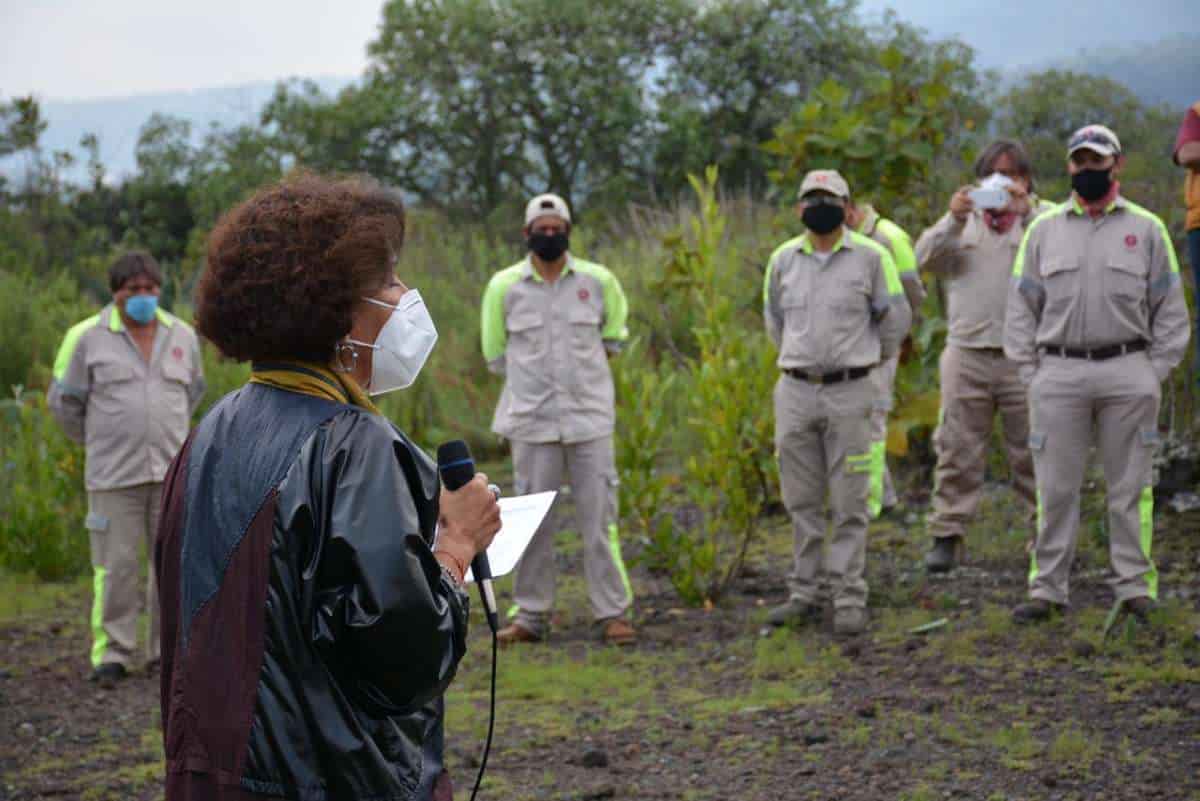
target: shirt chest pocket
1126 280
849 303
108 376
526 334
1062 277
584 321
176 372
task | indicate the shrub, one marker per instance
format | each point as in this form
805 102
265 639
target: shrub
41 491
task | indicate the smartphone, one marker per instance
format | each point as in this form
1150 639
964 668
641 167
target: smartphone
989 197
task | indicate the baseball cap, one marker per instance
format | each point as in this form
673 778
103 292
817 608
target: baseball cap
1095 138
825 181
547 205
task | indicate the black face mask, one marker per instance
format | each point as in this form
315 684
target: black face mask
823 218
1091 185
549 247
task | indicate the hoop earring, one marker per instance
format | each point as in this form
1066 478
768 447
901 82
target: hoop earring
339 360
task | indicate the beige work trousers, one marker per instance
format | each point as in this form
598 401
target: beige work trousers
883 491
118 522
823 436
1119 398
975 384
592 473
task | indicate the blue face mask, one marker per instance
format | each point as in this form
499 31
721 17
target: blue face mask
142 308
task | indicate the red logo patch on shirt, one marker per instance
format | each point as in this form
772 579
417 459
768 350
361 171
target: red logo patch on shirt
1130 241
584 295
177 352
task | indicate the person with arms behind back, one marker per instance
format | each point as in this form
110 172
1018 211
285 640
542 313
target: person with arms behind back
834 306
126 382
310 566
1096 321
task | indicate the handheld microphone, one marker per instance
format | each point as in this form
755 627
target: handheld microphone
457 468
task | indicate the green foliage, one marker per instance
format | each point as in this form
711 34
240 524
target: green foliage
35 313
727 419
41 481
883 135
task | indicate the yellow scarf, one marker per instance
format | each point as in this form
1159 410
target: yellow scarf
311 378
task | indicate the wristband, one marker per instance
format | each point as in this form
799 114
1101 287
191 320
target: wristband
462 569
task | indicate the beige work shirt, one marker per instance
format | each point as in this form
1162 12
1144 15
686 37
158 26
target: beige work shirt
976 264
848 311
1083 282
551 341
131 416
899 245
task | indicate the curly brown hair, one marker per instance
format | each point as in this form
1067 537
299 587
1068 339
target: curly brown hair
286 267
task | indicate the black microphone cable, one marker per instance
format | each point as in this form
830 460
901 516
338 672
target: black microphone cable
487 745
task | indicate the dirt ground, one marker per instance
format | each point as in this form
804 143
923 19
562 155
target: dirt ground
713 705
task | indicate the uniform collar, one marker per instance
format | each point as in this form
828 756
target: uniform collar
869 221
845 241
527 270
1076 207
116 324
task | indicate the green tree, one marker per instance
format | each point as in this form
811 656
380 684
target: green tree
735 70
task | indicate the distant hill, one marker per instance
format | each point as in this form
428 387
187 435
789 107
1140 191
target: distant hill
1167 71
117 120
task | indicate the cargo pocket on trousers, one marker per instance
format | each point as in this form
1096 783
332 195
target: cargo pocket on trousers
1037 441
97 526
1149 438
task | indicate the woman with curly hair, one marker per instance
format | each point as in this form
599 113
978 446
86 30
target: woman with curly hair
311 619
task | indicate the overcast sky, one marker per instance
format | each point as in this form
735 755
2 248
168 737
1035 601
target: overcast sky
65 49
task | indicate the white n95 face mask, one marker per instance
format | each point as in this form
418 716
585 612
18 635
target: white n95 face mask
403 345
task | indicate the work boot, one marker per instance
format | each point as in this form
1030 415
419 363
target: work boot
1037 610
943 556
107 674
794 610
849 620
1140 607
514 634
618 631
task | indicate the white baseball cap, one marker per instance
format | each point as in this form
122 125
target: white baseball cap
829 181
1095 138
547 205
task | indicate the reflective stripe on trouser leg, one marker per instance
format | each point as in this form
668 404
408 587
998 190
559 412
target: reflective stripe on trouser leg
883 492
877 467
593 471
537 467
99 635
1146 516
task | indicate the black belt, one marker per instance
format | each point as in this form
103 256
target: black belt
836 377
1096 354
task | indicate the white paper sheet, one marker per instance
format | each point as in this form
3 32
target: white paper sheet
519 521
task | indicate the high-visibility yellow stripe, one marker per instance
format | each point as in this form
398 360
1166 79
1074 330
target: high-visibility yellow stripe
878 457
1146 518
614 544
99 635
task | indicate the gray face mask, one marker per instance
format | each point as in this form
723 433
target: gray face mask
403 345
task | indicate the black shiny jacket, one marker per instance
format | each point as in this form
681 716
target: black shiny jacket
308 631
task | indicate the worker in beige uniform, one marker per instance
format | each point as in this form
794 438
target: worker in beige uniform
972 250
549 325
126 382
1096 321
835 308
864 219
